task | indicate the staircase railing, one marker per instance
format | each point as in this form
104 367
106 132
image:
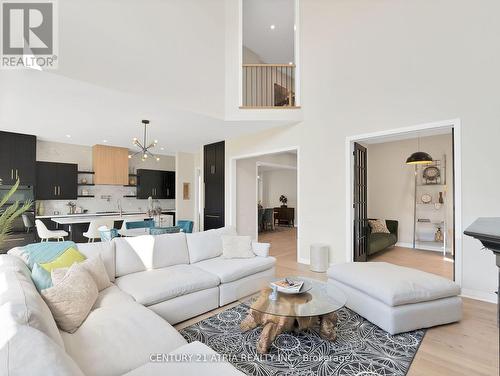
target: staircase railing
268 86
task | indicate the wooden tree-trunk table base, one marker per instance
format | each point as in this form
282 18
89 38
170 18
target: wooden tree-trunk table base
273 325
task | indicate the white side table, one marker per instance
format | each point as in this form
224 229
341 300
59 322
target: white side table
319 257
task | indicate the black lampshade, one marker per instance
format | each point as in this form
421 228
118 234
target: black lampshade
419 157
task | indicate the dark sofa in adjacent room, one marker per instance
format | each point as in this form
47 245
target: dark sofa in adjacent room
379 241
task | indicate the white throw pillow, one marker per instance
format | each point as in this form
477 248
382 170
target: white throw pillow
72 298
94 266
237 247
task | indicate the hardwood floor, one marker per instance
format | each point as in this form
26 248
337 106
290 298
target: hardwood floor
428 261
467 348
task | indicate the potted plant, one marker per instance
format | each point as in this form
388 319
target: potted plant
283 201
10 213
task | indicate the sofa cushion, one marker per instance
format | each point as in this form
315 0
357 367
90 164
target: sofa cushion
20 302
170 249
71 298
193 351
117 339
10 262
379 241
157 285
133 254
111 296
229 270
392 284
104 249
207 244
27 351
237 247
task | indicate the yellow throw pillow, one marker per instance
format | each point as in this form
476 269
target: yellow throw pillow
66 259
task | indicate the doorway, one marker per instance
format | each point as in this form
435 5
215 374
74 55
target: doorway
406 214
265 200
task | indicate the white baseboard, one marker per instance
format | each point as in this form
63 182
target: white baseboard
404 245
420 247
489 297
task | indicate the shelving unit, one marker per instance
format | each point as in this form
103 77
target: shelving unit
429 218
88 184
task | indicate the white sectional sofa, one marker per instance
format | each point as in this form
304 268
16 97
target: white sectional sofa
157 281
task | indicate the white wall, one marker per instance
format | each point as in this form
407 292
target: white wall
369 66
82 155
279 182
185 173
391 183
246 186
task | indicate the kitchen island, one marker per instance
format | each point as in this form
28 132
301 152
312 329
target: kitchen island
77 224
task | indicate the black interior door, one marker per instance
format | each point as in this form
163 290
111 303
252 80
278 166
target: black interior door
213 171
360 204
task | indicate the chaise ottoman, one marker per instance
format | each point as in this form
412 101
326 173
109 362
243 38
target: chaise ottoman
395 298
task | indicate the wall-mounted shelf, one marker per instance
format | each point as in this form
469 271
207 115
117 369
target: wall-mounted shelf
132 174
86 172
130 196
85 184
85 196
130 185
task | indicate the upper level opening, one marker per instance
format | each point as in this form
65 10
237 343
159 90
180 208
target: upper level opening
269 73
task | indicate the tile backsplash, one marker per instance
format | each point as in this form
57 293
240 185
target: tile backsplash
98 203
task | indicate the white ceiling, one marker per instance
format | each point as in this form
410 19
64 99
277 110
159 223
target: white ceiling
272 46
51 107
118 64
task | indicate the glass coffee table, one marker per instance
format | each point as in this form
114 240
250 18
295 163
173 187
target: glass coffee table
313 308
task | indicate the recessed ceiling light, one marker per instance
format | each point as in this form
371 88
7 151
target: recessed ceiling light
290 63
162 148
272 27
104 141
295 27
68 135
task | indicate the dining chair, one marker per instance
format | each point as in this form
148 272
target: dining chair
107 234
93 232
28 223
164 230
186 226
260 217
148 223
267 219
45 234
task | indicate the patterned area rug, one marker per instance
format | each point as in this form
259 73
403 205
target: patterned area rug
361 347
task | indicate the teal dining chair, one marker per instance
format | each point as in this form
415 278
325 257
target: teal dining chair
148 223
186 226
164 230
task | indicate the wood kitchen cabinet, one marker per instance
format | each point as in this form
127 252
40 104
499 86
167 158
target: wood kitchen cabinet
110 165
56 181
17 158
156 184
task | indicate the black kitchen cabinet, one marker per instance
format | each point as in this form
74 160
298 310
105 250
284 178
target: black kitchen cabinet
213 172
157 184
17 158
56 181
169 177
